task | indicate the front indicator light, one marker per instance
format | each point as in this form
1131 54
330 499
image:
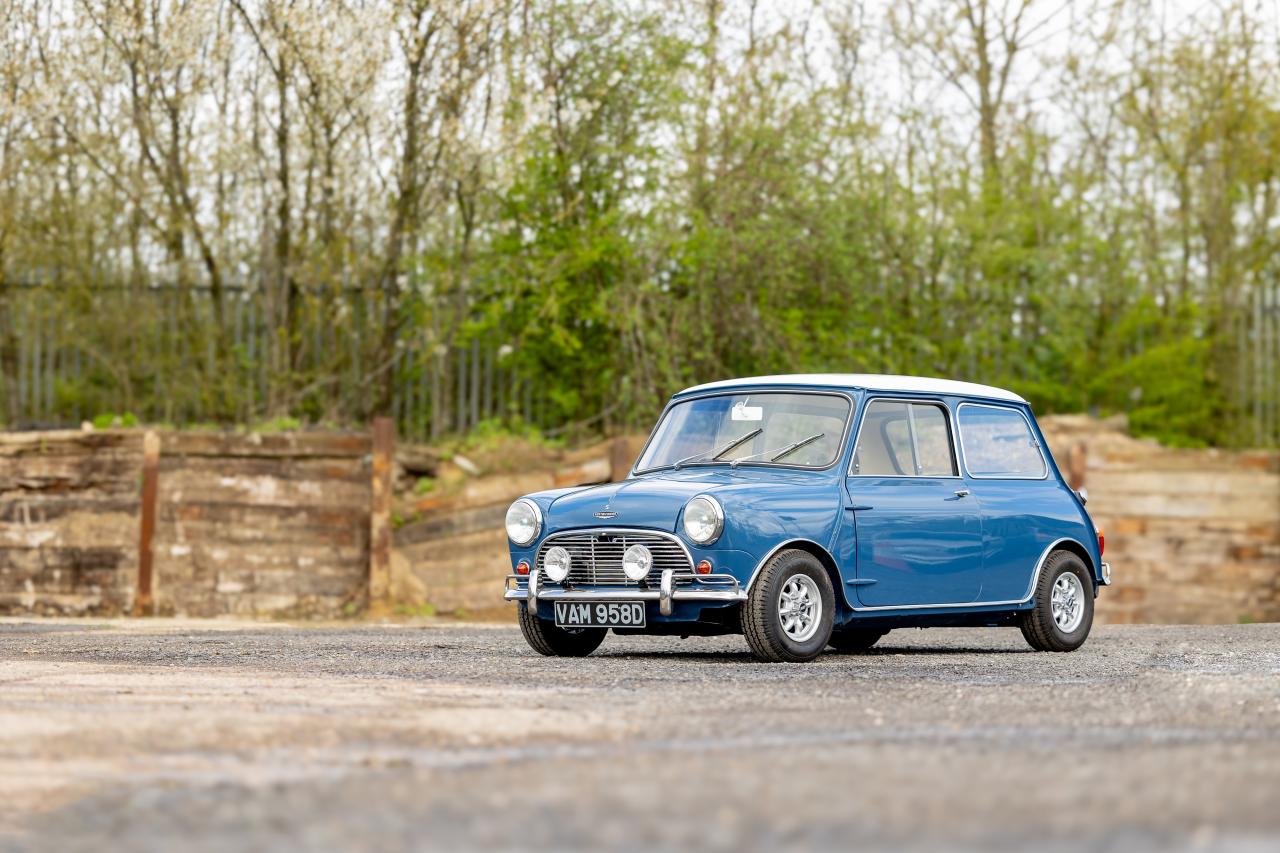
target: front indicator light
703 567
636 562
522 567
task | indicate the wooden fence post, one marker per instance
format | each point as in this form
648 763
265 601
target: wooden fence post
143 603
384 454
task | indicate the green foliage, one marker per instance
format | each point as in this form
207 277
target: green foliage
109 420
498 446
1168 393
609 201
493 435
283 423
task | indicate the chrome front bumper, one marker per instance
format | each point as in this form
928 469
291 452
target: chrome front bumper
720 589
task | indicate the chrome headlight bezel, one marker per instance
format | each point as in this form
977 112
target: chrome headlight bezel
534 513
713 509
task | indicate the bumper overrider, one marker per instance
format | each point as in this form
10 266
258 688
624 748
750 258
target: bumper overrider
715 589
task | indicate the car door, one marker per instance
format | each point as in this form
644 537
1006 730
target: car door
1008 474
917 529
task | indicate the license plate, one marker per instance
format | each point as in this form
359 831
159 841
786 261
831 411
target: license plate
599 614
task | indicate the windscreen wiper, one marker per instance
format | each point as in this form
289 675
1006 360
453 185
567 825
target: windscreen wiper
778 453
716 454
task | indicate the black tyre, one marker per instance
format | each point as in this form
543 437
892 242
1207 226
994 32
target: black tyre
791 609
546 639
855 640
1063 614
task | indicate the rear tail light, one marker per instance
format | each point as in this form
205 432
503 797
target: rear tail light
1102 542
522 567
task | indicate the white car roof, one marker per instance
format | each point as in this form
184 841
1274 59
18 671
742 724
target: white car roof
869 381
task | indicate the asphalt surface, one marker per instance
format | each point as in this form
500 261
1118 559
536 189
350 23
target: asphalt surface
208 736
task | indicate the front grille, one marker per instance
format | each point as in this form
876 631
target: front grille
596 556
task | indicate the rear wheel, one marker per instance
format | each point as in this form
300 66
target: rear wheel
1063 614
546 639
791 608
854 640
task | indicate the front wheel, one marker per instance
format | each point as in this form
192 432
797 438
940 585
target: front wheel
1063 614
546 639
791 608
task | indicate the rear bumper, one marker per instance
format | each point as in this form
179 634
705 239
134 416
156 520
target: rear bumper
719 589
1106 574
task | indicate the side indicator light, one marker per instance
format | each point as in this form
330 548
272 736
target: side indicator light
522 567
704 567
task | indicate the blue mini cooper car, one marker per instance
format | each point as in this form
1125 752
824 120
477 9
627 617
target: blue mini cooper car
814 511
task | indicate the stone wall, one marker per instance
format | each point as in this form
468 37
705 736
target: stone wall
278 525
68 521
457 547
262 524
1192 535
246 524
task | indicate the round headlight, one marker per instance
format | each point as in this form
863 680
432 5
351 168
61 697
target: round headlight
556 563
524 521
636 562
703 519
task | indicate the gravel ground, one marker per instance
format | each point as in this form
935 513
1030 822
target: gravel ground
160 735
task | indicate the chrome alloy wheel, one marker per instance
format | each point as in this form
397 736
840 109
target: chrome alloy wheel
1067 602
800 608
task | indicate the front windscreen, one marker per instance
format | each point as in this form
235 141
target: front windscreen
769 429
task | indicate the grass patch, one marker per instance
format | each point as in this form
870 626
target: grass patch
108 420
284 424
498 447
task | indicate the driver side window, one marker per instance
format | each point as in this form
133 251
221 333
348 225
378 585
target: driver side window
901 439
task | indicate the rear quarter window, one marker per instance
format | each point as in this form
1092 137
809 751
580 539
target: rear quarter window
998 443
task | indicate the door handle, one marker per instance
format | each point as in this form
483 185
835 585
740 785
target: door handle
962 493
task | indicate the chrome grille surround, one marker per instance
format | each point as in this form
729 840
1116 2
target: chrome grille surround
596 555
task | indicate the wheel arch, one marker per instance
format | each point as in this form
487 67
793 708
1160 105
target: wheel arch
1072 546
821 554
